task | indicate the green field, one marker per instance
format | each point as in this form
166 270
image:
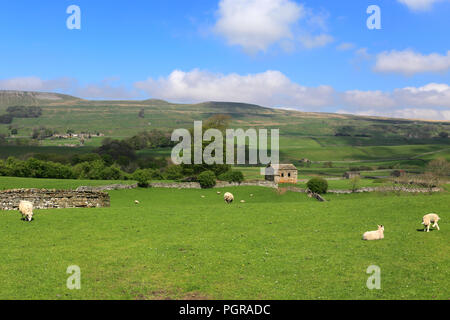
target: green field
177 245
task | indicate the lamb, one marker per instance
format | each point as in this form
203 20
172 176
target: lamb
228 197
26 209
429 219
374 235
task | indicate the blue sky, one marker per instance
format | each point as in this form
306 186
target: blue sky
308 55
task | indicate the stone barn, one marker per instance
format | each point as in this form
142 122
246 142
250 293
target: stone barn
282 173
352 174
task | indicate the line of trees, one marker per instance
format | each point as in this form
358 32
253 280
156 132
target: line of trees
20 112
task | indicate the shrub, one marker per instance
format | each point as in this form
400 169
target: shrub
207 179
142 176
318 185
232 176
6 119
354 183
174 173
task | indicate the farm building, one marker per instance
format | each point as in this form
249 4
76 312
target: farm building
282 173
352 174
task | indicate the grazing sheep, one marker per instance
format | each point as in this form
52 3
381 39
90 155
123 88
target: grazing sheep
242 201
218 192
374 235
429 219
26 209
136 202
203 197
228 197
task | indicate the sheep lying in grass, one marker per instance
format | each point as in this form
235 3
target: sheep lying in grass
26 209
374 235
228 197
429 219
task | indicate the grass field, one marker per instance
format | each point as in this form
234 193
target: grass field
177 245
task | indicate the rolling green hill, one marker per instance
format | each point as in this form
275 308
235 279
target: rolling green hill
120 118
318 136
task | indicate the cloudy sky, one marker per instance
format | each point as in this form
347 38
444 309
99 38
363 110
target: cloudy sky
314 55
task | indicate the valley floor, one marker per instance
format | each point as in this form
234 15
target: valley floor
177 245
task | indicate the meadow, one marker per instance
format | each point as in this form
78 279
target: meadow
177 245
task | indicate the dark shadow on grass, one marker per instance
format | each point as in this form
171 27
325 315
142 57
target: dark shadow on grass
421 230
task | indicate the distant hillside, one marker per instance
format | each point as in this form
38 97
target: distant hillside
25 98
121 118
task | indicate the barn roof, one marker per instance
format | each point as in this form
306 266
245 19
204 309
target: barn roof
284 166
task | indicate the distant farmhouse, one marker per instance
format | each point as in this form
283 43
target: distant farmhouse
282 173
352 174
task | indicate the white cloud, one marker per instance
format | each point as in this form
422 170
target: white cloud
256 25
274 89
106 89
345 46
371 99
419 5
36 84
407 113
431 101
310 42
270 88
408 62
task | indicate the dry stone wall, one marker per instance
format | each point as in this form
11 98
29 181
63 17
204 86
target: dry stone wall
109 187
220 184
53 199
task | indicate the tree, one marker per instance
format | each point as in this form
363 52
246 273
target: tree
439 168
443 135
207 179
328 164
232 176
219 122
354 182
174 173
118 150
142 176
318 185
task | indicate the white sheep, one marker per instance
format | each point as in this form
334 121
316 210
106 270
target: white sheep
374 235
26 209
136 202
242 201
228 197
429 219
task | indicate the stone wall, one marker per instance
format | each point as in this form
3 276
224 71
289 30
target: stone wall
109 187
220 184
175 185
53 199
368 189
256 183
